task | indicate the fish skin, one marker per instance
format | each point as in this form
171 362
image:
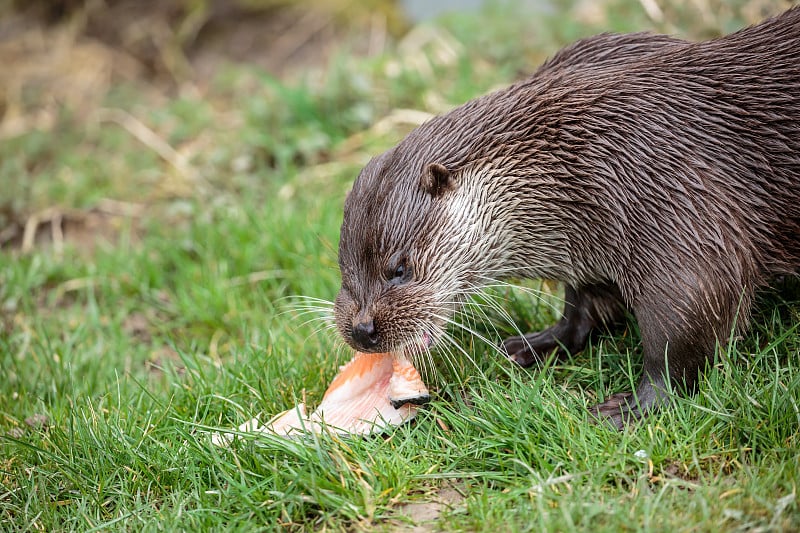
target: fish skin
371 393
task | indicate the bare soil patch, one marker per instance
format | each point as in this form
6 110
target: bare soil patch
424 515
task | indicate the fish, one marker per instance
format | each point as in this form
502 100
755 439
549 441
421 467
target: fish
370 394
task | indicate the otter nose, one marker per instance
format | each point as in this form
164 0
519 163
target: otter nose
365 334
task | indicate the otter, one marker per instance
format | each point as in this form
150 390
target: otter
652 176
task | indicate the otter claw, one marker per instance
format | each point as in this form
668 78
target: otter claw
524 358
617 410
526 350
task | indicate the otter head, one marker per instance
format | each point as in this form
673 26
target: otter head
398 241
460 202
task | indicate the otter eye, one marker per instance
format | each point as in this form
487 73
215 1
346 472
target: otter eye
399 273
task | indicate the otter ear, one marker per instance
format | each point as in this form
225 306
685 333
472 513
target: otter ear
436 180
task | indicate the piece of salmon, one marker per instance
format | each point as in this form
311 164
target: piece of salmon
372 392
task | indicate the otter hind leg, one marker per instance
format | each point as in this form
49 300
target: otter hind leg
585 309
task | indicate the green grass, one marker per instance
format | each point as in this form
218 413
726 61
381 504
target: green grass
182 323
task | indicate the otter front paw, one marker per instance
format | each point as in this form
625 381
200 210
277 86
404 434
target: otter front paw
619 410
625 408
530 349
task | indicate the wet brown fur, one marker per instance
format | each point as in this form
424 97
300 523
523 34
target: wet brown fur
647 173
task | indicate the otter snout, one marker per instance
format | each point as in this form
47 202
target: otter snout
364 333
357 325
